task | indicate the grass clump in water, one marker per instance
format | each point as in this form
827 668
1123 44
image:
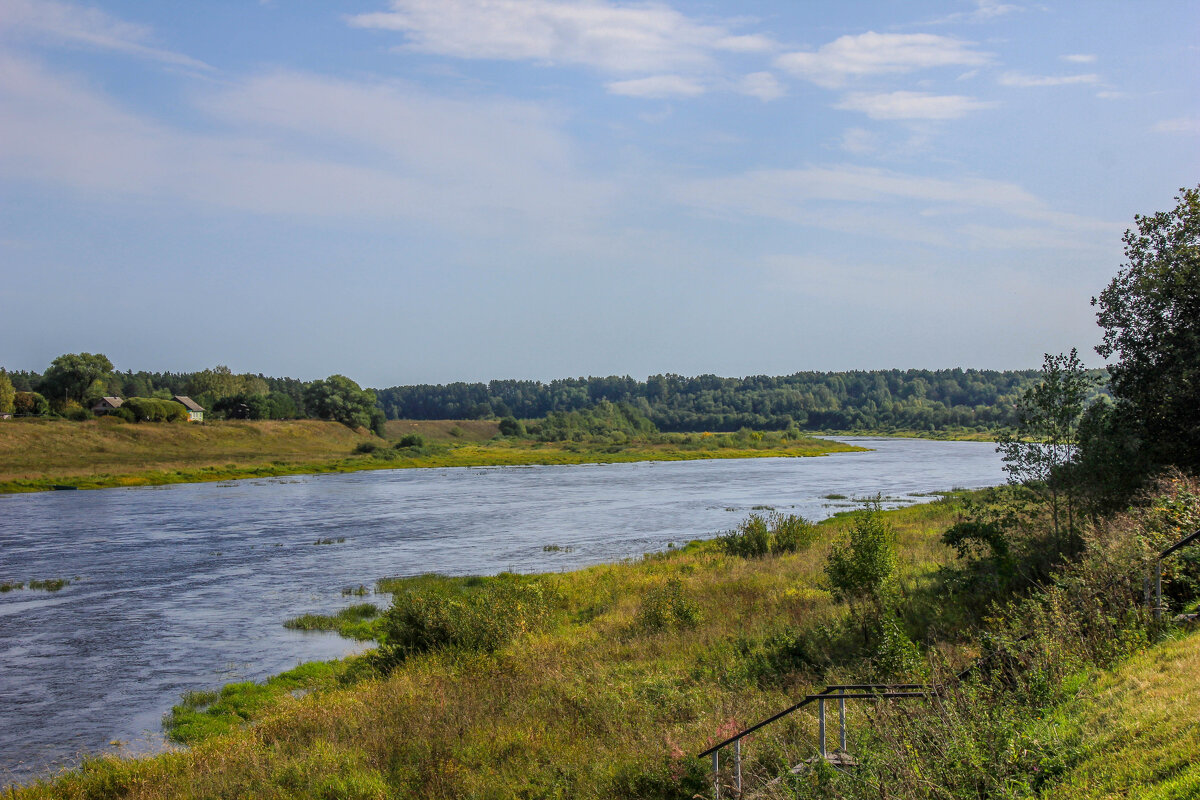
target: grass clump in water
356 622
338 540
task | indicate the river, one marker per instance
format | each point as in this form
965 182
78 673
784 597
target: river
187 586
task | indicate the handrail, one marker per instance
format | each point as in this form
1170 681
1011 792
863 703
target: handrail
825 694
1184 542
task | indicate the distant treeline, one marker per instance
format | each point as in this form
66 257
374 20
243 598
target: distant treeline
921 400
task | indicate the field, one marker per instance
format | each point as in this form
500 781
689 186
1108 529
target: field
36 455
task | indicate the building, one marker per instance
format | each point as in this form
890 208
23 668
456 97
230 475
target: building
194 409
107 404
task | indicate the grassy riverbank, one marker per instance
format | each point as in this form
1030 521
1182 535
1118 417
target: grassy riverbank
37 455
605 683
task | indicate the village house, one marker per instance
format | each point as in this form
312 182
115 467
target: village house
194 409
107 404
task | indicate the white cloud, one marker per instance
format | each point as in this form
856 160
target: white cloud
859 141
984 11
847 57
622 38
657 86
763 85
1184 125
89 27
1078 58
1022 80
898 206
298 144
911 105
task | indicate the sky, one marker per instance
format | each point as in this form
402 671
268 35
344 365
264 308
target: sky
425 191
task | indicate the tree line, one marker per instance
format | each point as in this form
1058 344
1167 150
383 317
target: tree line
882 400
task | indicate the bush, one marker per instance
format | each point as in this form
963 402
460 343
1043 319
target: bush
363 448
482 618
667 606
414 440
151 409
776 533
30 404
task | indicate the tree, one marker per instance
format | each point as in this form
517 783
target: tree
860 569
1042 450
72 376
7 394
341 399
1150 314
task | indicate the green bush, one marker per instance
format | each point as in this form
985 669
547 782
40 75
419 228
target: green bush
667 606
482 618
414 440
152 409
758 536
363 448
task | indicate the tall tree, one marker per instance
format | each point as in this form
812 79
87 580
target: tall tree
71 376
341 399
1044 445
7 393
1150 313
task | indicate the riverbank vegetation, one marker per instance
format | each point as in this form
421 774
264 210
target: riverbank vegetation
44 454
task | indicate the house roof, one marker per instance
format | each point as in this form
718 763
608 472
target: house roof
188 403
113 402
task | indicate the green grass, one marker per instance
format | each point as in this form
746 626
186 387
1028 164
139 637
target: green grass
355 622
1134 732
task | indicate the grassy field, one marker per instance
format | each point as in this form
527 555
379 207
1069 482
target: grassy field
37 455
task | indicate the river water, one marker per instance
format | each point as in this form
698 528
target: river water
186 587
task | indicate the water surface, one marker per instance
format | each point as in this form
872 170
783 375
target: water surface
186 586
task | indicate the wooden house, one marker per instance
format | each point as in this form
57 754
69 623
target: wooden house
107 404
194 409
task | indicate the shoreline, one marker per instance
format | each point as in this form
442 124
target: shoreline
473 455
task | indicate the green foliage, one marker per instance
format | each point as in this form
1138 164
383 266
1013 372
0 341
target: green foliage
1042 452
255 406
881 400
30 404
617 422
73 376
1150 314
667 606
481 618
7 393
861 568
151 409
355 622
410 440
776 533
510 426
341 399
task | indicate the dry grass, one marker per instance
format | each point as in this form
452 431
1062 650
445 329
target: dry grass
444 430
32 449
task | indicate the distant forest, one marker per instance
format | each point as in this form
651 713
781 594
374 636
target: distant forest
881 400
875 400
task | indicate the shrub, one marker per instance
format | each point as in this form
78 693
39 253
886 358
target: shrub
481 618
30 404
776 533
667 606
152 409
414 440
363 448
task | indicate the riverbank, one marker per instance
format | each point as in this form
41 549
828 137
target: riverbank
41 455
605 682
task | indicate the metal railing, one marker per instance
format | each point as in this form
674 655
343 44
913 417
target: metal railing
1182 543
839 692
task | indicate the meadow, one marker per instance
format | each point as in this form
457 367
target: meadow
43 454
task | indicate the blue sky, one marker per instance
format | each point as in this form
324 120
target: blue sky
411 191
